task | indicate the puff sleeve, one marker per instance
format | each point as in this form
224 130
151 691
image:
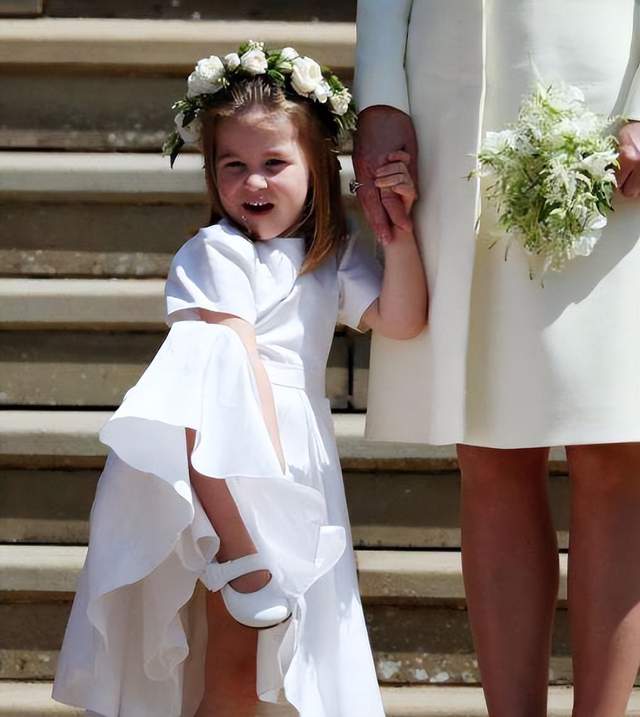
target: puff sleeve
214 270
359 281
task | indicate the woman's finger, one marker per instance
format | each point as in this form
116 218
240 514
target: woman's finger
399 155
631 186
392 168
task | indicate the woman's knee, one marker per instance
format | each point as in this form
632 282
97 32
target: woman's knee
495 465
601 468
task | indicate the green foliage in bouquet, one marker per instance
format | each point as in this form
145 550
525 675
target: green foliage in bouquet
552 175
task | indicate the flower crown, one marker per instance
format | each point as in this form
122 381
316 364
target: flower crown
285 68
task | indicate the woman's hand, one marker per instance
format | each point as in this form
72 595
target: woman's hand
628 174
381 131
396 177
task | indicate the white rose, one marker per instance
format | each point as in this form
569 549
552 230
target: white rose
285 60
322 92
231 61
189 134
339 102
207 77
254 62
306 75
288 53
210 69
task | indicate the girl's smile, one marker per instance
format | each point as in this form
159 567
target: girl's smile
262 172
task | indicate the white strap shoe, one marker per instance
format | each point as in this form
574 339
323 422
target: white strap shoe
262 608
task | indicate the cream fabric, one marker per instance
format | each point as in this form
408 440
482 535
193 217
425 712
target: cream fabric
503 362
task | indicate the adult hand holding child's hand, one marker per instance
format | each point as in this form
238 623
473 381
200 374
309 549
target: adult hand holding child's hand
383 130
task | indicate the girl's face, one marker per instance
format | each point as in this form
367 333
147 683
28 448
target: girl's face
261 171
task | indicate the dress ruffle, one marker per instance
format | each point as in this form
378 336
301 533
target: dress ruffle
139 630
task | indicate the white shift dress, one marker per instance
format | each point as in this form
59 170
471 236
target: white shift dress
504 363
134 645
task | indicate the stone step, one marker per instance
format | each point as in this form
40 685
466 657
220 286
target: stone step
156 46
97 215
414 606
387 510
33 699
95 368
69 439
86 72
308 11
399 495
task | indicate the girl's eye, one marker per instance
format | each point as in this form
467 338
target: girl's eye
233 165
274 162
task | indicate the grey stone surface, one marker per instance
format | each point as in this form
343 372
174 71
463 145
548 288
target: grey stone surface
309 10
89 111
33 700
20 8
360 371
387 510
171 45
411 645
95 369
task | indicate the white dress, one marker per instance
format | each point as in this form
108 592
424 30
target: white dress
504 363
135 641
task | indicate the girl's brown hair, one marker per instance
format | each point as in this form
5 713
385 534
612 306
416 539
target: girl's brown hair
323 222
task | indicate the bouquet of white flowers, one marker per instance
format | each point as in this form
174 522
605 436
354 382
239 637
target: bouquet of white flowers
552 175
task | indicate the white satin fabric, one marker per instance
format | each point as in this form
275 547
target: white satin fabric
134 646
504 362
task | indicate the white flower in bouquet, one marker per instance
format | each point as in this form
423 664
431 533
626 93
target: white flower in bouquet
306 75
254 61
552 175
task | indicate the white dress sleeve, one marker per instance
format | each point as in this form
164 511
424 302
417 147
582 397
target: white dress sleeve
380 77
215 271
359 281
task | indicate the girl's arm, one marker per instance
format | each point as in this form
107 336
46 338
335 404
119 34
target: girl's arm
247 335
400 312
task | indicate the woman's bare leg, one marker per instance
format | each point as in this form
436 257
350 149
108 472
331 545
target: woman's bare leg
223 513
604 576
230 666
510 566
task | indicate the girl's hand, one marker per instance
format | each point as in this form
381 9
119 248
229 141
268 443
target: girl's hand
395 177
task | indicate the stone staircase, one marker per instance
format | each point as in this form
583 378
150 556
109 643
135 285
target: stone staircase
91 218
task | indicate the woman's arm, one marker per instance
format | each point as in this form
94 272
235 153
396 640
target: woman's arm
247 335
380 78
384 125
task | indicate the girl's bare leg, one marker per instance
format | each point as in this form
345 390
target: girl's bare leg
604 576
230 666
223 513
510 566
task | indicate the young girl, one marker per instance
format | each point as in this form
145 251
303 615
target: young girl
224 466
